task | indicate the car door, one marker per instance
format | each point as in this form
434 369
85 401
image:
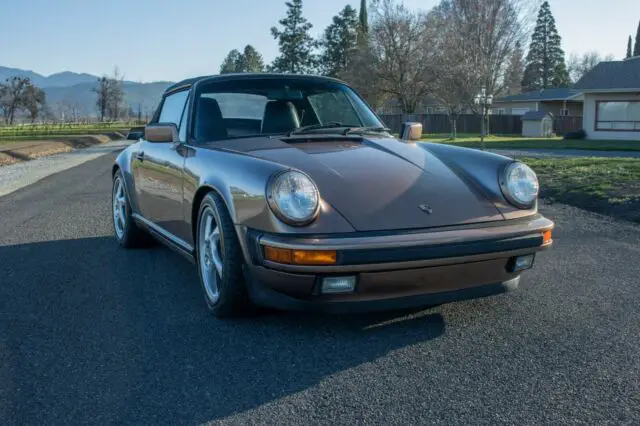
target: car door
159 170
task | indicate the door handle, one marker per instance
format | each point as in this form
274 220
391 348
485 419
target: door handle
139 156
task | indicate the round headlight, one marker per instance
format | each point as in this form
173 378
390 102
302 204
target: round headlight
293 197
520 185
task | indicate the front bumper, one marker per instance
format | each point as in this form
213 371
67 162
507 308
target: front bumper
396 270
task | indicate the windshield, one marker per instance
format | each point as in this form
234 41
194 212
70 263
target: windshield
253 107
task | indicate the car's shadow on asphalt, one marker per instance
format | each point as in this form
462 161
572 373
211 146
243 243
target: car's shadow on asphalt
98 333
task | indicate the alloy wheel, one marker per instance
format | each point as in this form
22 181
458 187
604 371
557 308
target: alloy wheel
210 255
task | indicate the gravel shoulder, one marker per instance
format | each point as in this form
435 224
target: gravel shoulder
24 173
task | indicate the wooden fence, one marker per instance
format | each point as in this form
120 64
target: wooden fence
470 123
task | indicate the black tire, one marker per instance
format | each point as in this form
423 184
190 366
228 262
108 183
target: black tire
233 299
131 236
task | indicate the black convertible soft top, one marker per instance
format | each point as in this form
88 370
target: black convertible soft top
239 76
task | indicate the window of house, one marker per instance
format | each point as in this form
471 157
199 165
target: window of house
497 111
564 112
429 110
519 111
618 116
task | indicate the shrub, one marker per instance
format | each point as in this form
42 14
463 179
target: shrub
579 134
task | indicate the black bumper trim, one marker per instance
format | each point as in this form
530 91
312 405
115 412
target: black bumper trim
408 254
267 297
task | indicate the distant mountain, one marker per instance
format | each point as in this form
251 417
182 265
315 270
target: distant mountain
61 79
68 78
69 91
35 78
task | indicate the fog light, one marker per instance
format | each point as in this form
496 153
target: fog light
523 262
338 284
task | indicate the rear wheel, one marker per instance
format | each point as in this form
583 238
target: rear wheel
127 233
220 260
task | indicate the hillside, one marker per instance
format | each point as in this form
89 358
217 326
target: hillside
69 91
61 79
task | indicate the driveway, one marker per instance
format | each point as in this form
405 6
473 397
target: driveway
92 333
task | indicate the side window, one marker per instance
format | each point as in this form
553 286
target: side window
172 108
182 133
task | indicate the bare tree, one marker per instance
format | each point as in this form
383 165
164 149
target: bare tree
33 101
3 93
110 91
399 54
12 99
103 91
458 76
490 31
475 41
579 65
71 109
116 95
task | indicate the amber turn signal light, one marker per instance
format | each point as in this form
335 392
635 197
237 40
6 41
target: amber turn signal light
546 237
300 257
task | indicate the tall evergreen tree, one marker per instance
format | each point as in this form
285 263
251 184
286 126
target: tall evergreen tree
629 50
363 17
295 42
247 61
250 60
339 42
545 61
230 63
515 71
636 49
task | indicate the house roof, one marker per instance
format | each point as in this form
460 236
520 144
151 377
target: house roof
611 76
535 115
556 94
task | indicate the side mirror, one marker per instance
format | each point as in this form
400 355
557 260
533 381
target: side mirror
161 132
135 133
411 131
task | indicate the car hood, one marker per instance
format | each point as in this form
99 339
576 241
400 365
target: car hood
380 184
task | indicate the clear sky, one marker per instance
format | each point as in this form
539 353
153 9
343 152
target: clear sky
173 39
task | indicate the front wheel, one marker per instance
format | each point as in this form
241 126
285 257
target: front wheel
220 260
126 231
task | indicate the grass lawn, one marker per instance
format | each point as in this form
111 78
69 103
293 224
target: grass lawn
604 185
519 142
44 131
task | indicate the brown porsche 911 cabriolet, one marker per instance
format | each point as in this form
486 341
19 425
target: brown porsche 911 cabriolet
289 192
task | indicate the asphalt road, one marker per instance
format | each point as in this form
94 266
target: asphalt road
91 333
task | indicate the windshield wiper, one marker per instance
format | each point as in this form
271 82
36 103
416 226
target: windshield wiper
371 129
328 125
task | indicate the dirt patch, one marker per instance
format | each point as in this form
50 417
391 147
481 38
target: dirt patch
14 152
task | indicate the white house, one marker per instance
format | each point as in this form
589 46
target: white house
612 100
561 101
